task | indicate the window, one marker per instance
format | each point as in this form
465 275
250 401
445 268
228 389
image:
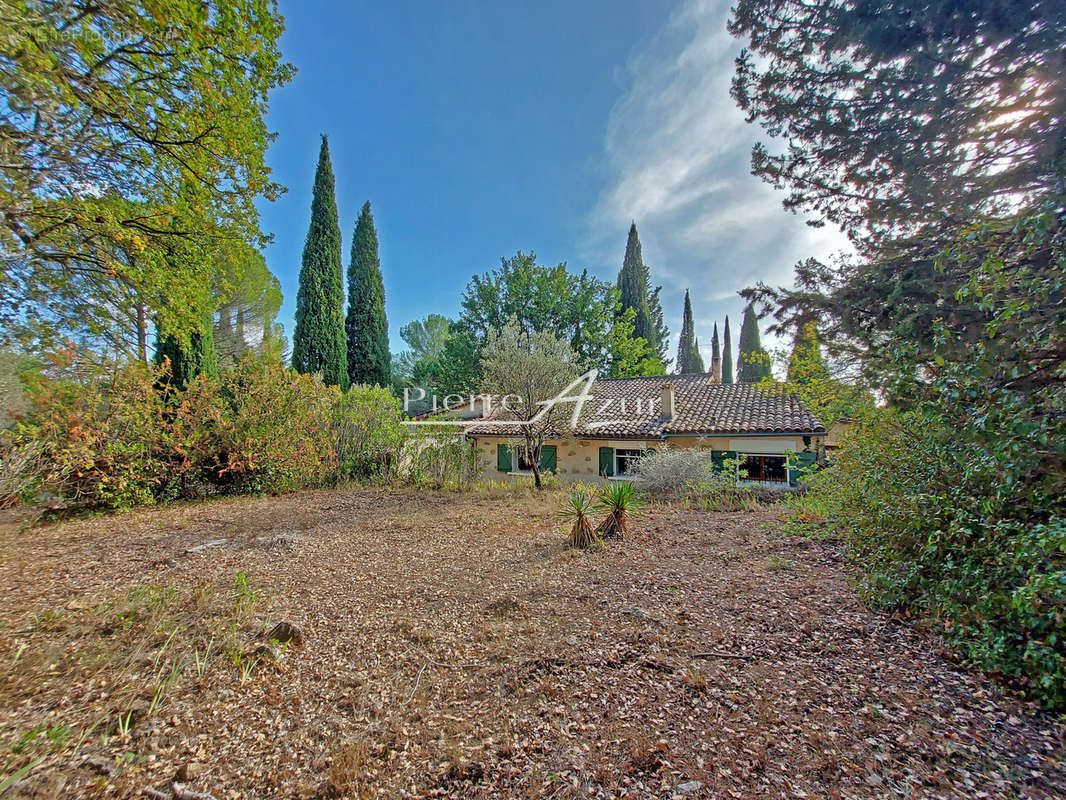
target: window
524 462
769 469
624 460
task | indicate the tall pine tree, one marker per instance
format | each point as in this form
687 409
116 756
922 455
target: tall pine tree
318 341
716 356
727 355
688 354
633 286
636 293
365 326
695 365
754 362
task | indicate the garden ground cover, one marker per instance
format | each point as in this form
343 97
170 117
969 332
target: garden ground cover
450 645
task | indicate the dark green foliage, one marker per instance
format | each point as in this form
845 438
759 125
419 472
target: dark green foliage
754 362
688 353
458 370
577 308
635 292
318 343
366 328
661 334
633 286
716 355
727 355
952 499
696 360
183 362
886 106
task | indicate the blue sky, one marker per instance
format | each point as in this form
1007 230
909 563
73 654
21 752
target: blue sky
476 129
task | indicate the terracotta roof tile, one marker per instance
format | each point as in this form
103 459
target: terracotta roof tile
631 408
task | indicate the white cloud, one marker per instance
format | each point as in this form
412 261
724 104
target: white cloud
678 163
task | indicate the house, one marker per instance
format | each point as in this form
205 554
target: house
628 416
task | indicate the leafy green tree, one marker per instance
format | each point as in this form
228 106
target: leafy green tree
318 343
426 339
754 362
366 326
630 355
576 307
188 359
134 143
458 370
530 367
727 355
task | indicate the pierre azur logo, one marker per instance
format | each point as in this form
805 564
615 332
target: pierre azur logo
578 393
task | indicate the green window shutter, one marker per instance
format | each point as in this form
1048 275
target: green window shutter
547 458
503 458
607 461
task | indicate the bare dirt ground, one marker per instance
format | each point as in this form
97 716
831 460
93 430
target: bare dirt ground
453 647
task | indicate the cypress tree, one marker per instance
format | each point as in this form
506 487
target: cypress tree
365 326
689 360
188 361
754 362
727 355
716 356
633 287
695 364
661 334
318 341
685 340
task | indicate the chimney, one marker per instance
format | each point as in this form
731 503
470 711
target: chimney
668 401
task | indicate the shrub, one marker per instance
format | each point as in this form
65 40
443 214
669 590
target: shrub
960 529
440 458
259 428
101 438
669 470
124 439
367 432
19 469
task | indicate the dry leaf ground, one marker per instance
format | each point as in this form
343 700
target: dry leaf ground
454 647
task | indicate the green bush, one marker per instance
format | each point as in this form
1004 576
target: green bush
124 439
102 439
366 423
440 458
960 529
258 428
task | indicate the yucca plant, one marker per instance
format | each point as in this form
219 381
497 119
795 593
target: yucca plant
575 509
621 501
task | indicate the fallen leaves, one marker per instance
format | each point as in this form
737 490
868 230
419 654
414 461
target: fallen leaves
449 652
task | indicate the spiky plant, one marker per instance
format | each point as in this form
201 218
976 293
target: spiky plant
621 501
575 509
